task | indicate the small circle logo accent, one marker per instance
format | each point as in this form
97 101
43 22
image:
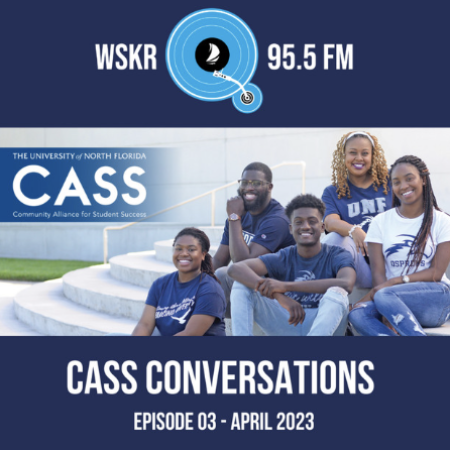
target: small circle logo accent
247 99
212 54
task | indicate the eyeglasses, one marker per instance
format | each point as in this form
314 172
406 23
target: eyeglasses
254 183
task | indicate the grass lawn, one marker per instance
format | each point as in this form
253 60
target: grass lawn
38 269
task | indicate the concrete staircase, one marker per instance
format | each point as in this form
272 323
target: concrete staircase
104 299
100 299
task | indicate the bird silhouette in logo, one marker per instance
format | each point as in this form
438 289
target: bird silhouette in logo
305 275
182 319
406 243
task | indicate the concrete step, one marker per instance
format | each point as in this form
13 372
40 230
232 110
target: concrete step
140 269
163 250
45 309
95 288
444 330
357 294
214 234
9 324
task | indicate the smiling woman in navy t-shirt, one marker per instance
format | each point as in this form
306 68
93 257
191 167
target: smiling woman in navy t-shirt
360 190
189 302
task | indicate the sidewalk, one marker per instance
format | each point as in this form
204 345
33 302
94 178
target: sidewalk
9 325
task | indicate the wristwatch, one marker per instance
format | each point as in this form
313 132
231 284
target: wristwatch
406 279
233 217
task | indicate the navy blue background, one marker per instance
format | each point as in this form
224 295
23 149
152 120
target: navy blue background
407 406
49 73
49 78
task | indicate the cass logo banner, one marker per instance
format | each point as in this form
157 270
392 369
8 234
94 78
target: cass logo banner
74 184
212 55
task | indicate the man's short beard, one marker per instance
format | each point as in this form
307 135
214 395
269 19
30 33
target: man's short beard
261 199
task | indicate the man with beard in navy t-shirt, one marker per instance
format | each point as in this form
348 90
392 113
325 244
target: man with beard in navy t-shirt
256 224
306 293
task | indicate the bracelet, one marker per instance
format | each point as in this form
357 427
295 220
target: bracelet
353 229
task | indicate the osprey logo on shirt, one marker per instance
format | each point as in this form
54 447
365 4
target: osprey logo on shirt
405 243
396 247
182 319
367 219
307 300
181 310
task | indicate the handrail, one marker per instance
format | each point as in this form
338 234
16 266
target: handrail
213 204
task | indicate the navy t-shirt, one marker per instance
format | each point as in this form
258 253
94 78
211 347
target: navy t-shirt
176 302
364 205
288 265
269 229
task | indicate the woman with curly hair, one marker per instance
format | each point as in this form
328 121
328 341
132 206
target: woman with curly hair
409 249
359 191
190 301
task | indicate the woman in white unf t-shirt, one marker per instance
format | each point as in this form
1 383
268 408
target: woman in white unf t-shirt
409 248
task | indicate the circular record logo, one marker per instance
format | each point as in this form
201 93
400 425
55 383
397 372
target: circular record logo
212 55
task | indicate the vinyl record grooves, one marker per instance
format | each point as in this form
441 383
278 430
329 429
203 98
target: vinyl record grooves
213 41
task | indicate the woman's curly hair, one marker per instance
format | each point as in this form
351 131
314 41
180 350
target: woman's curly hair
379 170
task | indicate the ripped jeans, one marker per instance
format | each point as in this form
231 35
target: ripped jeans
248 305
407 307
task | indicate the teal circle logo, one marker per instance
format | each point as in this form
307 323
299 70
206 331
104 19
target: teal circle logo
212 55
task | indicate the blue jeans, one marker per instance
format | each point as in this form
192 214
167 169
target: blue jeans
363 274
248 305
407 307
227 283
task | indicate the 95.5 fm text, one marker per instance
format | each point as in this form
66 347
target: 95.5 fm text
290 57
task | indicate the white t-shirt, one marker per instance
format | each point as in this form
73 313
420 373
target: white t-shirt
397 234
